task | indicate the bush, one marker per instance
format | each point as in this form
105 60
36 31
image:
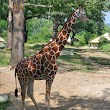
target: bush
3 28
4 105
84 38
103 40
43 36
105 46
39 30
4 57
99 60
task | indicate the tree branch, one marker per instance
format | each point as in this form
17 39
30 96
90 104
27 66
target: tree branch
44 6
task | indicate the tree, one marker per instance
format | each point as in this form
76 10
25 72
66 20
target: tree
60 11
18 32
10 21
102 41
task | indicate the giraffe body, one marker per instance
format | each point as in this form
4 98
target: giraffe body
43 65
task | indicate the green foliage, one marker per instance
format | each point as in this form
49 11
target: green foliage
84 38
81 41
106 29
70 58
3 28
60 11
3 9
103 41
4 57
105 46
39 30
87 36
4 105
43 36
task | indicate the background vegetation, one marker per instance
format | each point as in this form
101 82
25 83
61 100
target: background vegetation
40 31
40 16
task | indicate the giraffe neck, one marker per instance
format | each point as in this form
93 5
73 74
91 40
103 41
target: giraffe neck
63 35
57 44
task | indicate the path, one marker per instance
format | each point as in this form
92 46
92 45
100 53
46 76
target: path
74 90
94 54
70 91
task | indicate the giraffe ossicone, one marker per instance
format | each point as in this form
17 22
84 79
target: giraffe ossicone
42 65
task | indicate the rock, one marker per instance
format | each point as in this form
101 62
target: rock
4 98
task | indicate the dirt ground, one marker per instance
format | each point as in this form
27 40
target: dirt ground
75 90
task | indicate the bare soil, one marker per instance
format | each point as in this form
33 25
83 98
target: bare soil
75 90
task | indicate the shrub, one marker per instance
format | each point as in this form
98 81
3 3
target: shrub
103 40
105 46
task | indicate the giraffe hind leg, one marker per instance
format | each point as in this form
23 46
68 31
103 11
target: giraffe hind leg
23 93
47 96
30 92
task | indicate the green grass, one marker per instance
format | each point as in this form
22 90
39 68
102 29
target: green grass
4 105
105 47
87 69
107 52
5 54
4 57
71 59
75 62
71 62
100 60
31 49
82 68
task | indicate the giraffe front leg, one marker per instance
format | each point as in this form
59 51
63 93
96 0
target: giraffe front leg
30 92
47 97
49 81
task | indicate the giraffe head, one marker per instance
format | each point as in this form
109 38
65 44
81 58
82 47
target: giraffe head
81 14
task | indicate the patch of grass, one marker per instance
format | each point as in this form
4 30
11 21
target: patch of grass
70 58
31 49
81 68
73 69
33 46
108 52
4 57
105 46
4 105
74 59
100 60
75 62
87 69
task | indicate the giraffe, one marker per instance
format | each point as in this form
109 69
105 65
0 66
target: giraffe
43 65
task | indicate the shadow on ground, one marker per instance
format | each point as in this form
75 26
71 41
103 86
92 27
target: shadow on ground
71 103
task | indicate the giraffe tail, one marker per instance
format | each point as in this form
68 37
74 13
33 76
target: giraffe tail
16 90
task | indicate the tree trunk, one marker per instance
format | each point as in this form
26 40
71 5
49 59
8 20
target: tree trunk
18 32
10 20
25 31
55 27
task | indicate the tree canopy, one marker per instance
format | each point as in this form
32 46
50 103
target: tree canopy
51 9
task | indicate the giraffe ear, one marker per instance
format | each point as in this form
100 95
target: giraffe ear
81 7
